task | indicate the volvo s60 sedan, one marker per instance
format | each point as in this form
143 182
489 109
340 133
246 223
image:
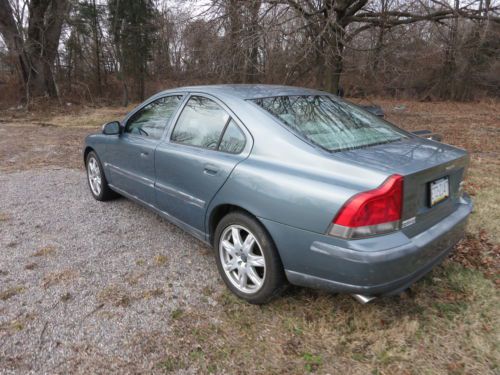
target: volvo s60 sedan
289 185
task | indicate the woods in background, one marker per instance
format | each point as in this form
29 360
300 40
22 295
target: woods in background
123 50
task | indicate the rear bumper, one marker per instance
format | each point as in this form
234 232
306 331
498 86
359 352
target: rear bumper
375 266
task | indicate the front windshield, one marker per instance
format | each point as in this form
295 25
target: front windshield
331 124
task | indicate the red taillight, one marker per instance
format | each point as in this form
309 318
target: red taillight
372 208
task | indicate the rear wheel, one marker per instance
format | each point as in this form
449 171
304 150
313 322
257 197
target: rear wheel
247 259
97 180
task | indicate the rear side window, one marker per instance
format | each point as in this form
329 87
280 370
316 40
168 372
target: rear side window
201 123
233 140
150 121
331 124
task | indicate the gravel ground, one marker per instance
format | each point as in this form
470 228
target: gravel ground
91 287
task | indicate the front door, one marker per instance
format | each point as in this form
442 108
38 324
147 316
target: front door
203 149
131 156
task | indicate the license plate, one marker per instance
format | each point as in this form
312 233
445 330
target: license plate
440 190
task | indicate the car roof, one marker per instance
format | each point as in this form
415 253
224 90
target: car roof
249 91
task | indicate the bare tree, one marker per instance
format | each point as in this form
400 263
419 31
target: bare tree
424 48
35 53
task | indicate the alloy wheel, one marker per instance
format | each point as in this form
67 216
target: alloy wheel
94 175
242 259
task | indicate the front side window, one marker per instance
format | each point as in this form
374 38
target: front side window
331 124
201 123
151 120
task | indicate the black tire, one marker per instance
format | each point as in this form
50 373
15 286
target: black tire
105 193
274 279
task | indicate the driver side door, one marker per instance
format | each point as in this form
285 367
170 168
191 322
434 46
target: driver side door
131 156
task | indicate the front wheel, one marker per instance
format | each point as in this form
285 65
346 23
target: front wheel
247 259
97 180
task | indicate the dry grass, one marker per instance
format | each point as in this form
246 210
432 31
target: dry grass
54 278
483 183
449 324
45 251
160 260
114 295
90 118
153 293
479 252
11 292
15 325
67 117
52 137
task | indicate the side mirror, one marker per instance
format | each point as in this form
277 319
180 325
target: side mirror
111 128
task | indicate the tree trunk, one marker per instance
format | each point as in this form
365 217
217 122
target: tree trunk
320 64
97 46
335 68
449 69
253 36
336 64
13 39
236 65
380 38
125 93
475 49
35 55
141 81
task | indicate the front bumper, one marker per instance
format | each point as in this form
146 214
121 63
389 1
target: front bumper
381 265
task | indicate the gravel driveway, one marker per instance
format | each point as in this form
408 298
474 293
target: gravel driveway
87 286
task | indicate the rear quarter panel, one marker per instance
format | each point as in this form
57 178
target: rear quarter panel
293 195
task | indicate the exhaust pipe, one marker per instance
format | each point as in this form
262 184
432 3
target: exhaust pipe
362 298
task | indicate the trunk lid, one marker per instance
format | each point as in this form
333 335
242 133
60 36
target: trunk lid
420 161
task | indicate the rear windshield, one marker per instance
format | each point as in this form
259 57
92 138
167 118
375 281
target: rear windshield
330 124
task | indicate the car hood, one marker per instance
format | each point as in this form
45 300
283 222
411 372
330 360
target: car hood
404 157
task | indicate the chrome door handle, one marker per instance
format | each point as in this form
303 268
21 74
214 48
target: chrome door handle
144 154
211 169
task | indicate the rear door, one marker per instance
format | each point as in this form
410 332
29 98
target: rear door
197 157
130 158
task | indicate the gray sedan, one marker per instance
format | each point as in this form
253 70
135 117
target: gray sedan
289 185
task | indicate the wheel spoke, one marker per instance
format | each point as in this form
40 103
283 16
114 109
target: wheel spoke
248 244
235 233
243 277
231 265
228 246
252 275
256 261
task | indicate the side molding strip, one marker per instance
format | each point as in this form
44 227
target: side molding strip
133 176
189 199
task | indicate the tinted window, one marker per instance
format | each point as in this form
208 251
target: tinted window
151 120
331 124
233 139
201 123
